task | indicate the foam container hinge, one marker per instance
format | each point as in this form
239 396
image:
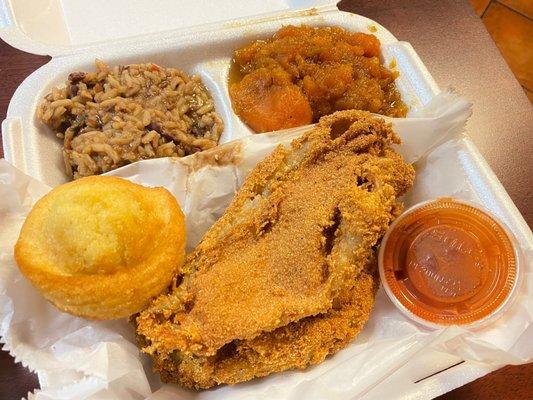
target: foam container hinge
207 50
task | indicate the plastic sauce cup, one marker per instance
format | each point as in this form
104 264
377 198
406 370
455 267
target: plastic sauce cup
447 262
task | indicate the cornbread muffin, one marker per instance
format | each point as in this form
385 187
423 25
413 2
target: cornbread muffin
102 247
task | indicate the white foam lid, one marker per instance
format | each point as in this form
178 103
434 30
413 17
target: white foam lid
56 27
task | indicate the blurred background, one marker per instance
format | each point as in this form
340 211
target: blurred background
510 23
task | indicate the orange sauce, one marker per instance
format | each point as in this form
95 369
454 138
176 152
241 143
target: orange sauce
449 263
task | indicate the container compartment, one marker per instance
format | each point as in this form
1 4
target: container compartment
32 147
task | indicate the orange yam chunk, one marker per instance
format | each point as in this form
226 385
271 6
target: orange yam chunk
268 107
369 43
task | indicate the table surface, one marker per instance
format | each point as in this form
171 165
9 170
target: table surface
459 53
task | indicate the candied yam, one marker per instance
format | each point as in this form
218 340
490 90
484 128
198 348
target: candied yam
312 89
265 107
280 77
328 82
370 43
325 68
288 31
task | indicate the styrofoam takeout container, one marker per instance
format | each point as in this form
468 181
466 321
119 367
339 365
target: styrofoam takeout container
191 36
31 146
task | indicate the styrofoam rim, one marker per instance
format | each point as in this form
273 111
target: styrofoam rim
498 312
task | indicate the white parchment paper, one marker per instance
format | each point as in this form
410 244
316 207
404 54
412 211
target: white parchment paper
79 359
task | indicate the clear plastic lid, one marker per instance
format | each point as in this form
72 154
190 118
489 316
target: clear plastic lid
449 262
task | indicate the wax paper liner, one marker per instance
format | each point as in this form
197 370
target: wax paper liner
392 357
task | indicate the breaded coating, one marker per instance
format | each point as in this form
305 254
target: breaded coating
287 275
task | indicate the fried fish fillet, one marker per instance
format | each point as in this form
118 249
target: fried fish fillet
287 275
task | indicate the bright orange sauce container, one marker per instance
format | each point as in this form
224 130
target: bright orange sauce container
447 262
